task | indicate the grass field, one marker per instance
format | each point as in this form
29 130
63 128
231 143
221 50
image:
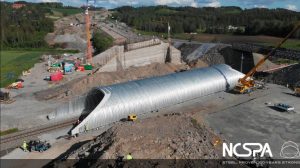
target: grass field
62 12
10 131
13 62
67 12
227 38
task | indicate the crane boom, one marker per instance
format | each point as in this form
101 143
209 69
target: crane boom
253 70
88 36
244 84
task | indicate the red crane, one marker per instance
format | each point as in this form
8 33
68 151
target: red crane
88 32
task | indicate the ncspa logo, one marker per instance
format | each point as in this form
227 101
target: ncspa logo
248 150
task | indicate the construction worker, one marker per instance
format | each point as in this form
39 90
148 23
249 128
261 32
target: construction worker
25 146
129 157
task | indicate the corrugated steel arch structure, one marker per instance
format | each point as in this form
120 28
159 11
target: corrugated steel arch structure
107 104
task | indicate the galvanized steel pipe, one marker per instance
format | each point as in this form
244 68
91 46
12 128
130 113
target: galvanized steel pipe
107 104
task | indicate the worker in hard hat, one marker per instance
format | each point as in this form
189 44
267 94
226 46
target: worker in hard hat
129 157
25 146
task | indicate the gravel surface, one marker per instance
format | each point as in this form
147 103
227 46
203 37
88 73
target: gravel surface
289 75
159 137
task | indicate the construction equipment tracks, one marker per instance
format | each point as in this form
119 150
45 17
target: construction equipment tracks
15 139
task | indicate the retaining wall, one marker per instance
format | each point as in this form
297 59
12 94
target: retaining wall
140 54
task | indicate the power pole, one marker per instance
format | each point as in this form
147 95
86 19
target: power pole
169 36
168 56
242 62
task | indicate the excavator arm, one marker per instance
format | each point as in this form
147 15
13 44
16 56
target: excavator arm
247 82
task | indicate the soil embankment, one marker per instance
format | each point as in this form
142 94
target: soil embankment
289 75
82 85
159 137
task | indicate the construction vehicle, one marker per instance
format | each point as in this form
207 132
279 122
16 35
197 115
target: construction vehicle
15 85
38 146
247 83
132 117
5 98
297 91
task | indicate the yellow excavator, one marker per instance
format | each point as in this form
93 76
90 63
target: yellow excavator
246 84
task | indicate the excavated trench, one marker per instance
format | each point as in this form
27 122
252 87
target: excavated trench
219 54
234 57
286 76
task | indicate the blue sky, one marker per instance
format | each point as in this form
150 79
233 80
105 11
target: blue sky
288 4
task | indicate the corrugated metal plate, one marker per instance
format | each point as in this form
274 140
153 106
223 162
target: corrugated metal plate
154 93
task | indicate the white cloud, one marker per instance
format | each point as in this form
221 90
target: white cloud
291 7
119 2
259 6
193 3
49 0
214 3
174 2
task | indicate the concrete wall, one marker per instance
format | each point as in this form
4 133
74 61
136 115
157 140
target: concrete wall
140 54
175 56
144 56
143 44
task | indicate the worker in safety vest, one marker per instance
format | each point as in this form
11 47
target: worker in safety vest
24 146
129 157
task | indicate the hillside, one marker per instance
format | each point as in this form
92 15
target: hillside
223 20
26 27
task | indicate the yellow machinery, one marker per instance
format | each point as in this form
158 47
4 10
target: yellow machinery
246 84
132 117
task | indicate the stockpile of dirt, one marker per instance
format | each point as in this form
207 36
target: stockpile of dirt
82 85
207 54
213 56
289 75
70 31
187 49
70 25
159 137
266 65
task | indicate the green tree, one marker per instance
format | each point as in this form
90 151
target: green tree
101 42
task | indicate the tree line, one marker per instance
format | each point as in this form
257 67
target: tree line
101 41
25 27
256 21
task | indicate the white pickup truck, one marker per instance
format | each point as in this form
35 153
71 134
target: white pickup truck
284 107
